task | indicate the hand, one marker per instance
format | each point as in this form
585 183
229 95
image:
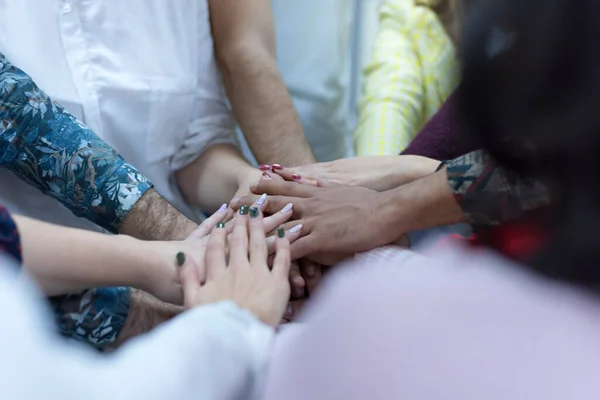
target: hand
163 282
246 278
378 173
336 221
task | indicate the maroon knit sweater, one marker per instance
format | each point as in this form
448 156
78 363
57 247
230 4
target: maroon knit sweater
441 138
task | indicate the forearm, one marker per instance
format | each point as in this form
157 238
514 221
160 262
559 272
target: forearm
422 204
153 218
65 260
214 177
44 145
145 313
264 110
244 38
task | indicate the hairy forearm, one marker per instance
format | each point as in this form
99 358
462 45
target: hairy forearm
145 313
264 109
153 218
65 260
214 177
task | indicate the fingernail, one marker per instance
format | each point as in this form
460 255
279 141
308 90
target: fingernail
223 208
266 176
296 177
296 229
261 200
180 258
253 212
310 271
220 225
277 167
264 167
244 210
280 232
234 201
288 207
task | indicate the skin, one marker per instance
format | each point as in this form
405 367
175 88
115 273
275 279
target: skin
244 36
340 221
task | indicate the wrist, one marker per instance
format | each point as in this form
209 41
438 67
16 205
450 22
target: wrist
407 169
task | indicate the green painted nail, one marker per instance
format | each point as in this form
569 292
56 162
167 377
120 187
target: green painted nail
180 258
244 210
253 212
280 232
220 224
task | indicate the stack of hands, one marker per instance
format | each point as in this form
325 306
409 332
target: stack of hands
326 211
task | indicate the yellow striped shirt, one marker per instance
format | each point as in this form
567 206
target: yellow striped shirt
413 70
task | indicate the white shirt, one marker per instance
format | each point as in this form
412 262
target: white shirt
213 352
140 73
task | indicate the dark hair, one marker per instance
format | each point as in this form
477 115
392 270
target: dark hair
530 96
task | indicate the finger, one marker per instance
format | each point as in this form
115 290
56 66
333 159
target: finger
190 281
258 244
215 256
312 274
272 175
238 244
281 264
296 281
282 216
294 175
324 183
272 205
276 188
292 235
208 224
304 246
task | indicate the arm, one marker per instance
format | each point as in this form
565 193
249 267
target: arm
411 72
215 177
471 188
390 108
65 260
41 143
244 38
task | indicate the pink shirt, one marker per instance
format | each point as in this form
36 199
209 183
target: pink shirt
463 324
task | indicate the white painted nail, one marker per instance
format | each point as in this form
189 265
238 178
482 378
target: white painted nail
261 200
288 207
223 208
296 229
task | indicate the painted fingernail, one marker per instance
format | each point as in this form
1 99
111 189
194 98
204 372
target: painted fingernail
264 167
220 225
296 177
244 210
261 200
288 207
280 232
253 212
266 176
180 258
277 167
296 229
223 208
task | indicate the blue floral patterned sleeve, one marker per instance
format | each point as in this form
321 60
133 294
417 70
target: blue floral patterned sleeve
51 150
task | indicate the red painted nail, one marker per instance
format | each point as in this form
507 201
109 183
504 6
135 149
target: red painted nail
296 177
264 167
277 166
266 175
